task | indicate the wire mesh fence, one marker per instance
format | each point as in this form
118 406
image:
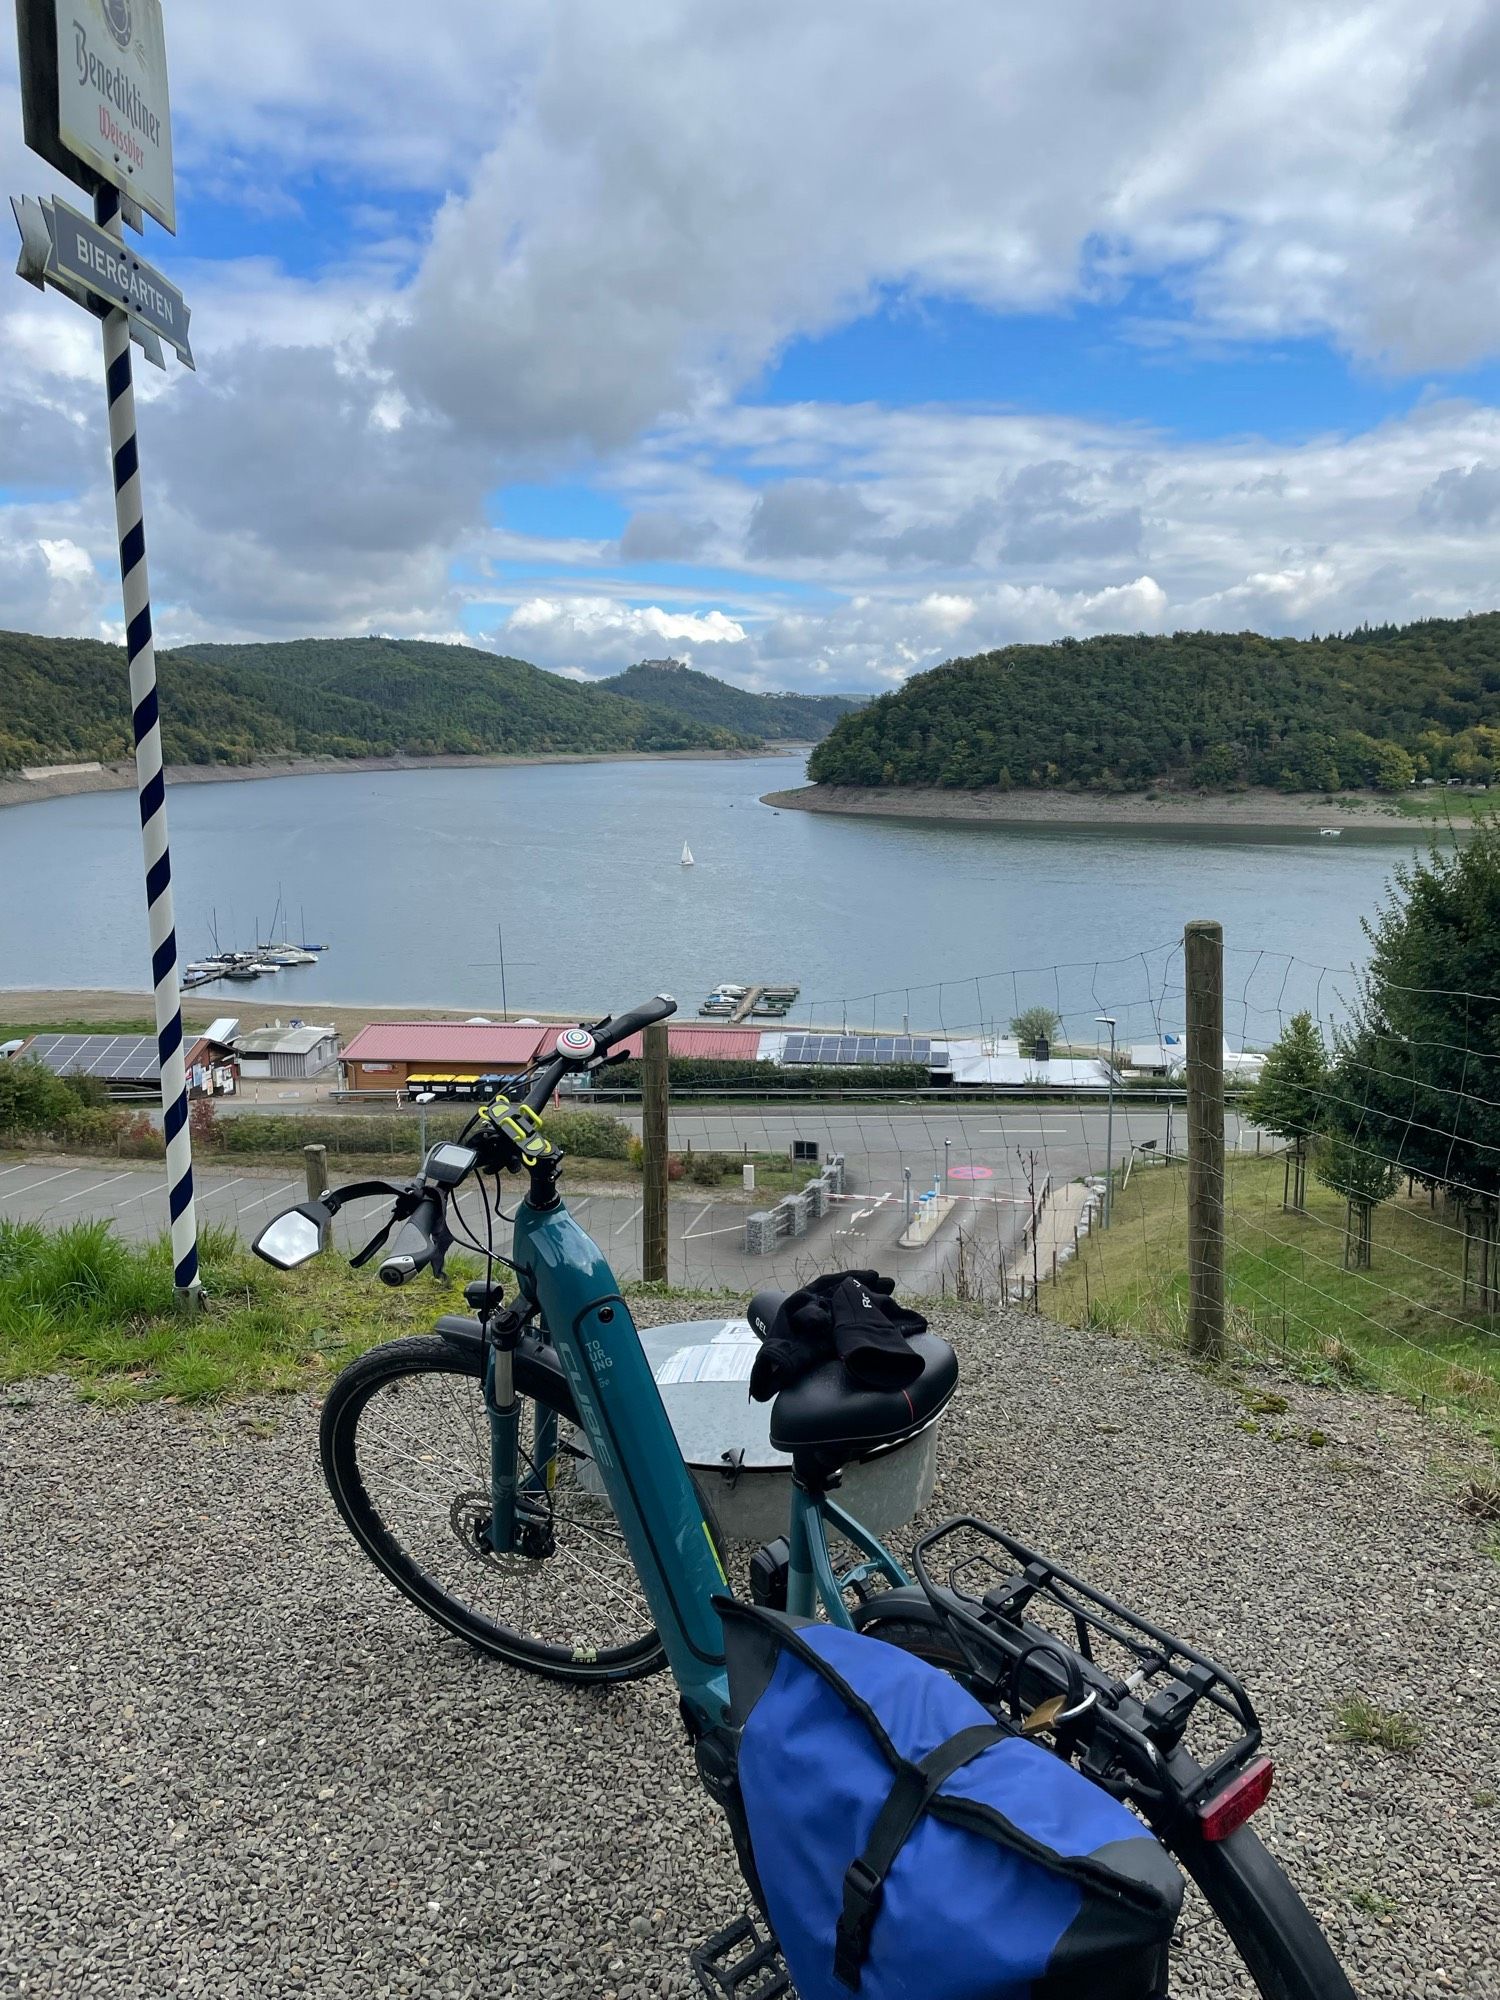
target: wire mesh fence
1366 1247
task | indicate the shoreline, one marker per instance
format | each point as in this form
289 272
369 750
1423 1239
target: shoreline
46 1005
120 777
1249 811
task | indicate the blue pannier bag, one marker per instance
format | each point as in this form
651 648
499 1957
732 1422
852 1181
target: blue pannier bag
909 1847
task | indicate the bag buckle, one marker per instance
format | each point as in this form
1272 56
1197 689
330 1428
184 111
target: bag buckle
864 1892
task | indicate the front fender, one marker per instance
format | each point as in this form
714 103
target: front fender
535 1359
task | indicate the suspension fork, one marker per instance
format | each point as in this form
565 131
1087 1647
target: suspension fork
504 1413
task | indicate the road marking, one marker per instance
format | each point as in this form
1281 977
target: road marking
1055 1130
250 1207
97 1189
25 1168
30 1186
223 1188
697 1235
156 1187
627 1222
697 1219
577 1207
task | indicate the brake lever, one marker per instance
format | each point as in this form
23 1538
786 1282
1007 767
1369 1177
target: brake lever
408 1198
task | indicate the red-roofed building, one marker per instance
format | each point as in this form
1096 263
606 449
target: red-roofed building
401 1055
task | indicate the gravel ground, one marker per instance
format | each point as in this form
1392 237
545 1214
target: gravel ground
237 1764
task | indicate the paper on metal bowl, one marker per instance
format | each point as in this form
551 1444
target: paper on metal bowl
702 1368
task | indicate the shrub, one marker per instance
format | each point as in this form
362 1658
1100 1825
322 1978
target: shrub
674 1167
705 1169
93 1131
32 1099
203 1122
591 1135
138 1139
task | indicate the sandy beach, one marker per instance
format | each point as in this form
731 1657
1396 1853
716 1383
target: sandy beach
1139 811
98 1006
121 777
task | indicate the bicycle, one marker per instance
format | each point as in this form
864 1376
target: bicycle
576 1544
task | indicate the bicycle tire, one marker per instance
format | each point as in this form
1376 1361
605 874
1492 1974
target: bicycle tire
1277 1939
577 1659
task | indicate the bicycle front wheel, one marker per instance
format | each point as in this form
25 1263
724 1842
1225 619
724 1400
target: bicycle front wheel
1256 1935
405 1442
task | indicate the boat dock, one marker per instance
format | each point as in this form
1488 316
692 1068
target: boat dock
735 1004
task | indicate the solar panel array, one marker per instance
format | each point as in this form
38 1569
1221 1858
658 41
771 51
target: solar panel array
111 1058
836 1050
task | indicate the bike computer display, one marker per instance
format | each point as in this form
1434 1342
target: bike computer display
447 1164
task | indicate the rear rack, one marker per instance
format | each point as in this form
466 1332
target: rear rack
1124 1731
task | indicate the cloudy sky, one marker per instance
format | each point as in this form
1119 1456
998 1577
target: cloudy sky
812 344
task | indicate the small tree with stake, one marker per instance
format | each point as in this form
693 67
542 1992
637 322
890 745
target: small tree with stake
1036 1024
1290 1099
1364 1179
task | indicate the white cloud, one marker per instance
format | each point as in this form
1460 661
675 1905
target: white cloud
637 208
566 631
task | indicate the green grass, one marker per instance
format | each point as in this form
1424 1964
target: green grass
1374 1903
19 1030
1441 804
1403 1326
1362 1721
78 1301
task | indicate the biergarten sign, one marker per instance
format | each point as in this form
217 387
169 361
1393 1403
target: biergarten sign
65 249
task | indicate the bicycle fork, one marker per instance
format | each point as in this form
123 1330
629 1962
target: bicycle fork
510 1515
505 1423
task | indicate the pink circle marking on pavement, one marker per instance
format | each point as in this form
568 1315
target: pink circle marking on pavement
971 1173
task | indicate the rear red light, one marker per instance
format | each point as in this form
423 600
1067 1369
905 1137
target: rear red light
1240 1797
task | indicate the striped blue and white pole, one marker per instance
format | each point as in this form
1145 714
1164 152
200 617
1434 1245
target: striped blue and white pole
140 653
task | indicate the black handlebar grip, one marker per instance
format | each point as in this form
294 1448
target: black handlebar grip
623 1026
763 1308
414 1247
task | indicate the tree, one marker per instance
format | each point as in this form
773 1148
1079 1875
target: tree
1364 1179
1419 1075
1290 1099
1034 1025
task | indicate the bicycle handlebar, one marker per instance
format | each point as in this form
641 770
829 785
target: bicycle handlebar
595 1042
423 1235
416 1244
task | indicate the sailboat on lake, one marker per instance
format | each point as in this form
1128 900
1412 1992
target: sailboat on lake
687 856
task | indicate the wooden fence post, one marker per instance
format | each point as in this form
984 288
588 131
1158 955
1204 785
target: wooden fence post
654 1100
1203 953
315 1159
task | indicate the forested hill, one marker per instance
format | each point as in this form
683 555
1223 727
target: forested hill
782 718
67 700
1377 707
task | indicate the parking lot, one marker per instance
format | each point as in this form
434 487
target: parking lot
985 1157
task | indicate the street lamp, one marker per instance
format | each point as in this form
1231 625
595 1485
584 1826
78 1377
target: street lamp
1108 1021
423 1099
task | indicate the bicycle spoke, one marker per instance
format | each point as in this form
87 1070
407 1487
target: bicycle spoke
424 1461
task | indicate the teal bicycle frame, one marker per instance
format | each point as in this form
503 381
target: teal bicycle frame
563 1272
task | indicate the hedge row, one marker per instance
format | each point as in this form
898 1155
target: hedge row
704 1073
588 1135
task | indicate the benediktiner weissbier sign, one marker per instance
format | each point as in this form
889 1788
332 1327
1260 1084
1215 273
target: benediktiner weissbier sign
94 96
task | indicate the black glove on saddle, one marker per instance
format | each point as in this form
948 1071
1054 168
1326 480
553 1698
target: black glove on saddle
851 1314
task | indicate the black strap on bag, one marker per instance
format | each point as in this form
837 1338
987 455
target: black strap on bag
864 1883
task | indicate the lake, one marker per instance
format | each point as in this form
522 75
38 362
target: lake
408 874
